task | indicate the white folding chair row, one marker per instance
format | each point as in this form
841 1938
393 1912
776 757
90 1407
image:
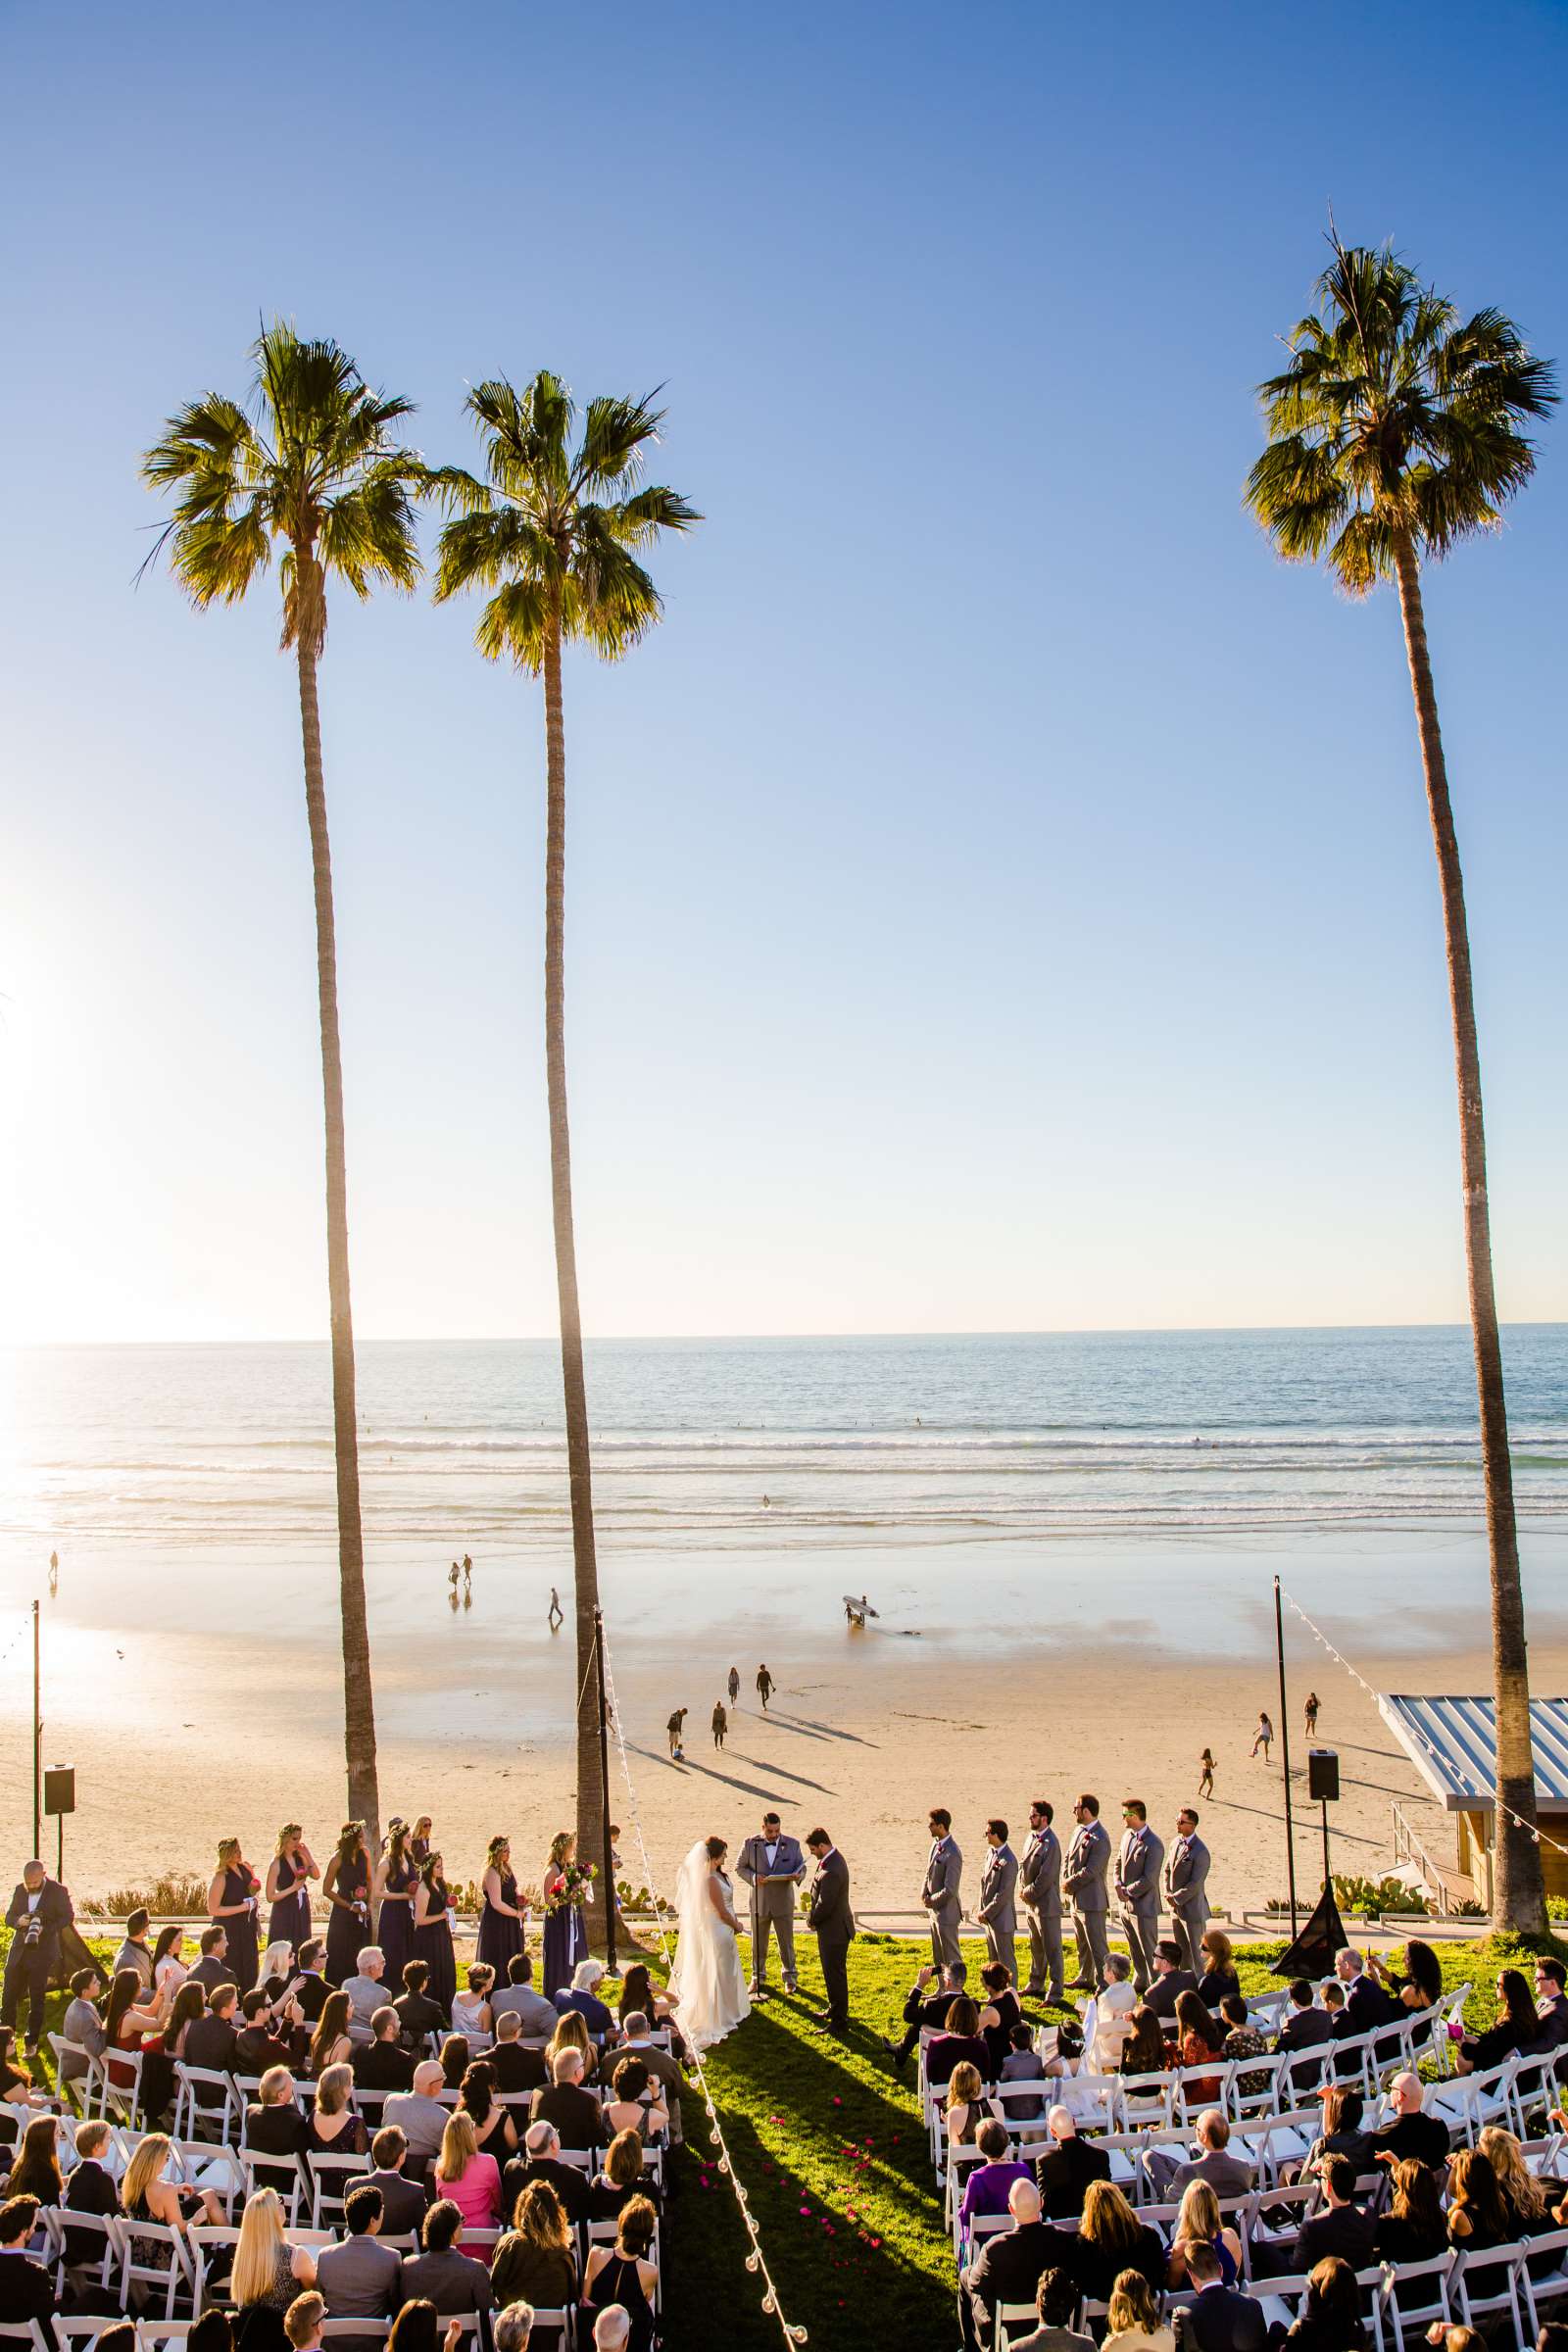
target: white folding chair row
83 2085
1282 2298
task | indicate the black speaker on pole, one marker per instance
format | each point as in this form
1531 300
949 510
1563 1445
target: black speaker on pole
1323 1774
60 1789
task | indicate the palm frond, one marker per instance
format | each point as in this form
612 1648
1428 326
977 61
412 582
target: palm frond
616 435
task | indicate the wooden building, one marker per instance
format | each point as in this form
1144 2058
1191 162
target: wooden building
1453 1744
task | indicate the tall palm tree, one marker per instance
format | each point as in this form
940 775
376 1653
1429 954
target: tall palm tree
312 468
1393 433
552 533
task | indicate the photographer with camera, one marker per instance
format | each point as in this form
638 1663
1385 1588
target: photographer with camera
40 1909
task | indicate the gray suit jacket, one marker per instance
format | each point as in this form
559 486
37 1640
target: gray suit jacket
775 1900
1227 2175
1083 1877
1186 1877
942 1875
830 1918
997 1881
361 2278
1138 1868
1040 1874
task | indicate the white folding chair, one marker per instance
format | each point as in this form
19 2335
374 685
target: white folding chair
1485 2285
331 2178
145 2275
284 2173
1540 2290
24 2332
1416 2298
93 2239
205 2096
81 2081
204 2241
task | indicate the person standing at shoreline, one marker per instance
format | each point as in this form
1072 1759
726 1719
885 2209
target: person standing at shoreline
1312 1704
557 1615
765 1687
734 1685
720 1723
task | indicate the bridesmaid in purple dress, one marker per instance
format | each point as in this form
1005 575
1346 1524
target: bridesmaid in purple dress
347 1888
288 1888
502 1918
394 1898
232 1900
432 1934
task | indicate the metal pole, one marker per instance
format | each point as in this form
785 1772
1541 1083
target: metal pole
1284 1753
1328 1876
38 1743
60 1864
604 1782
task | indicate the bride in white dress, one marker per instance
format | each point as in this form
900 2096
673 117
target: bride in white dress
707 1975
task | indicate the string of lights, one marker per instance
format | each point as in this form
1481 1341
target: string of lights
1319 1635
756 2260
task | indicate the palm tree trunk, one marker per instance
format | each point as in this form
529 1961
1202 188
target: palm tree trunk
359 1704
585 1566
1519 1895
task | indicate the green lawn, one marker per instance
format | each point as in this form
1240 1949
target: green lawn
829 2147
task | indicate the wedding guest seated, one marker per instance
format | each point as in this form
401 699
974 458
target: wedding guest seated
334 2128
639 1993
1068 2167
1414 2228
274 2126
212 1969
1306 2027
536 2261
1171 1979
1516 2028
493 2127
130 2021
470 2009
966 2106
1366 2004
987 2187
925 2011
1551 2005
36 2171
1227 2175
571 2034
258 2044
1132 2322
453 2060
419 2115
1007 2267
1110 2239
564 2102
662 2065
1219 1977
82 2024
91 2188
1418 1985
418 2017
1525 2199
960 2042
1411 2133
366 1991
627 2275
535 2015
1343 2133
1330 2317
27 2291
1000 2012
1144 2050
146 2196
16 2083
1478 2218
440 2274
1219 2319
514 2067
635 2104
1199 2222
403 2201
383 2063
1244 2040
331 2043
1331 1997
1341 2228
1022 2064
136 1952
1107 2017
1056 2301
210 2041
469 2174
622 2178
541 2160
1199 2039
310 1988
360 2278
273 1975
580 1995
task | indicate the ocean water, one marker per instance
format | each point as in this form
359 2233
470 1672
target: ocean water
775 1444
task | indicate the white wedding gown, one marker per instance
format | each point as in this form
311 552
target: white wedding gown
707 1975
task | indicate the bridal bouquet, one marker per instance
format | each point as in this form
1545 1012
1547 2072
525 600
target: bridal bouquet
572 1884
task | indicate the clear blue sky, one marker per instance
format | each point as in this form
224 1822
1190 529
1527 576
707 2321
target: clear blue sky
1000 894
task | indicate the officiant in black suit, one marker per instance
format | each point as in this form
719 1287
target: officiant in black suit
832 1923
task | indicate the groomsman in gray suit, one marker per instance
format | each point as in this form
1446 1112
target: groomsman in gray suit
940 1894
1040 1883
1083 1882
1138 1869
998 1911
772 1866
1186 1887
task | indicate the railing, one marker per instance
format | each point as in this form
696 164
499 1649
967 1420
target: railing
1407 1848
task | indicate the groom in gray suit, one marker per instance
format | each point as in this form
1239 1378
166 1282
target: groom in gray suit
998 1913
773 1867
1138 1869
1186 1887
832 1923
940 1894
1040 1885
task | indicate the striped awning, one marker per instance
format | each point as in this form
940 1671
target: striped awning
1453 1744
